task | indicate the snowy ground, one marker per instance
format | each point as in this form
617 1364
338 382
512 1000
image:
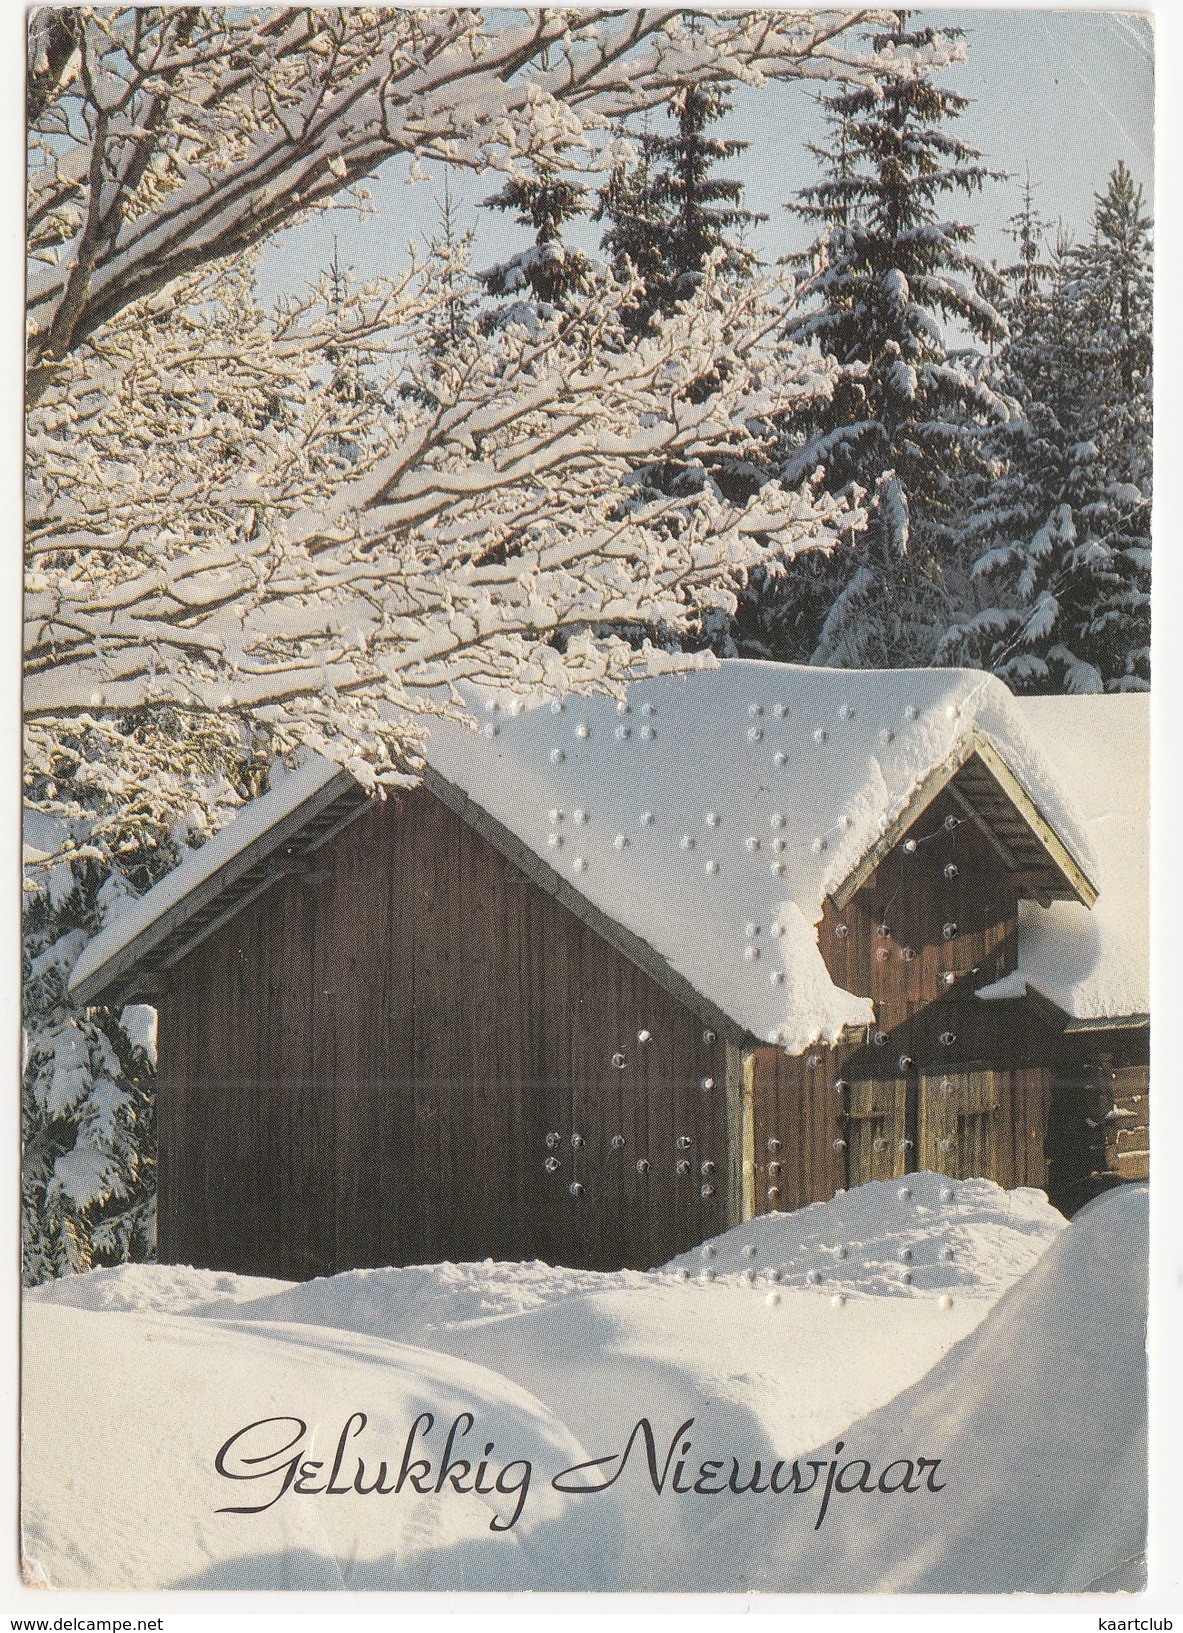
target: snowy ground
928 1319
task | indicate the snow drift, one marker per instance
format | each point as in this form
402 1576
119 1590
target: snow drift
928 1319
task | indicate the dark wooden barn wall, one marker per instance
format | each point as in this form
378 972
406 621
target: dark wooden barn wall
363 1067
926 929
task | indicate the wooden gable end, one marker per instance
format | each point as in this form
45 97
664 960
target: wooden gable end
415 1053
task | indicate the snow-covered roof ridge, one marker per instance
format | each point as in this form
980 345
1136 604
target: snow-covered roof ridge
712 813
709 814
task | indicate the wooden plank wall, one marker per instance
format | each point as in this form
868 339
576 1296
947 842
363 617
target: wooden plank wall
363 1068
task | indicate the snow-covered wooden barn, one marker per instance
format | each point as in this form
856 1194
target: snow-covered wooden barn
618 975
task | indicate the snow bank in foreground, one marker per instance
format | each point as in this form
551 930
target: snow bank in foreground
560 1367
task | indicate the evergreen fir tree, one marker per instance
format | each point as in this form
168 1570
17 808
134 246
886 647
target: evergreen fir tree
1063 537
671 210
904 424
548 275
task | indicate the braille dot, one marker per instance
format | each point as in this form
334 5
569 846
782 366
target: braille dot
905 1063
642 1165
838 1301
813 1277
624 731
580 816
752 843
554 840
579 864
683 1142
773 1192
839 1252
708 1083
556 706
952 711
582 730
904 1193
910 846
948 1039
839 1145
748 1250
774 1144
780 710
879 1039
648 734
906 1277
780 758
842 931
950 823
845 712
686 842
492 730
949 932
711 867
751 953
708 1036
820 735
681 1273
619 1062
756 710
552 1140
491 705
840 1085
845 821
557 756
778 929
754 734
778 867
907 954
706 1169
708 1250
624 708
751 928
911 712
882 954
644 1035
617 1142
951 870
906 1255
575 1188
772 1298
946 1254
945 1302
776 820
646 819
706 1190
772 1274
576 1142
712 819
905 1145
818 845
682 1168
879 1144
947 1196
552 1165
649 709
776 977
748 1277
620 842
948 978
886 735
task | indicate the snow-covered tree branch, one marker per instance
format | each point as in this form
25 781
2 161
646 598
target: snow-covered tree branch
216 523
164 139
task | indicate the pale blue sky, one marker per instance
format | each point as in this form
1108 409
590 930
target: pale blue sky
1067 93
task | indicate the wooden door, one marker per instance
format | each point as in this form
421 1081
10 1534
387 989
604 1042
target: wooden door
875 1130
957 1124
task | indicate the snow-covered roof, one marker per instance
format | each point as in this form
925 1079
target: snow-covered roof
1094 964
219 878
711 813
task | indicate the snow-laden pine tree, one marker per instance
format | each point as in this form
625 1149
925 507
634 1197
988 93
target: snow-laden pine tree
670 209
1062 535
894 291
